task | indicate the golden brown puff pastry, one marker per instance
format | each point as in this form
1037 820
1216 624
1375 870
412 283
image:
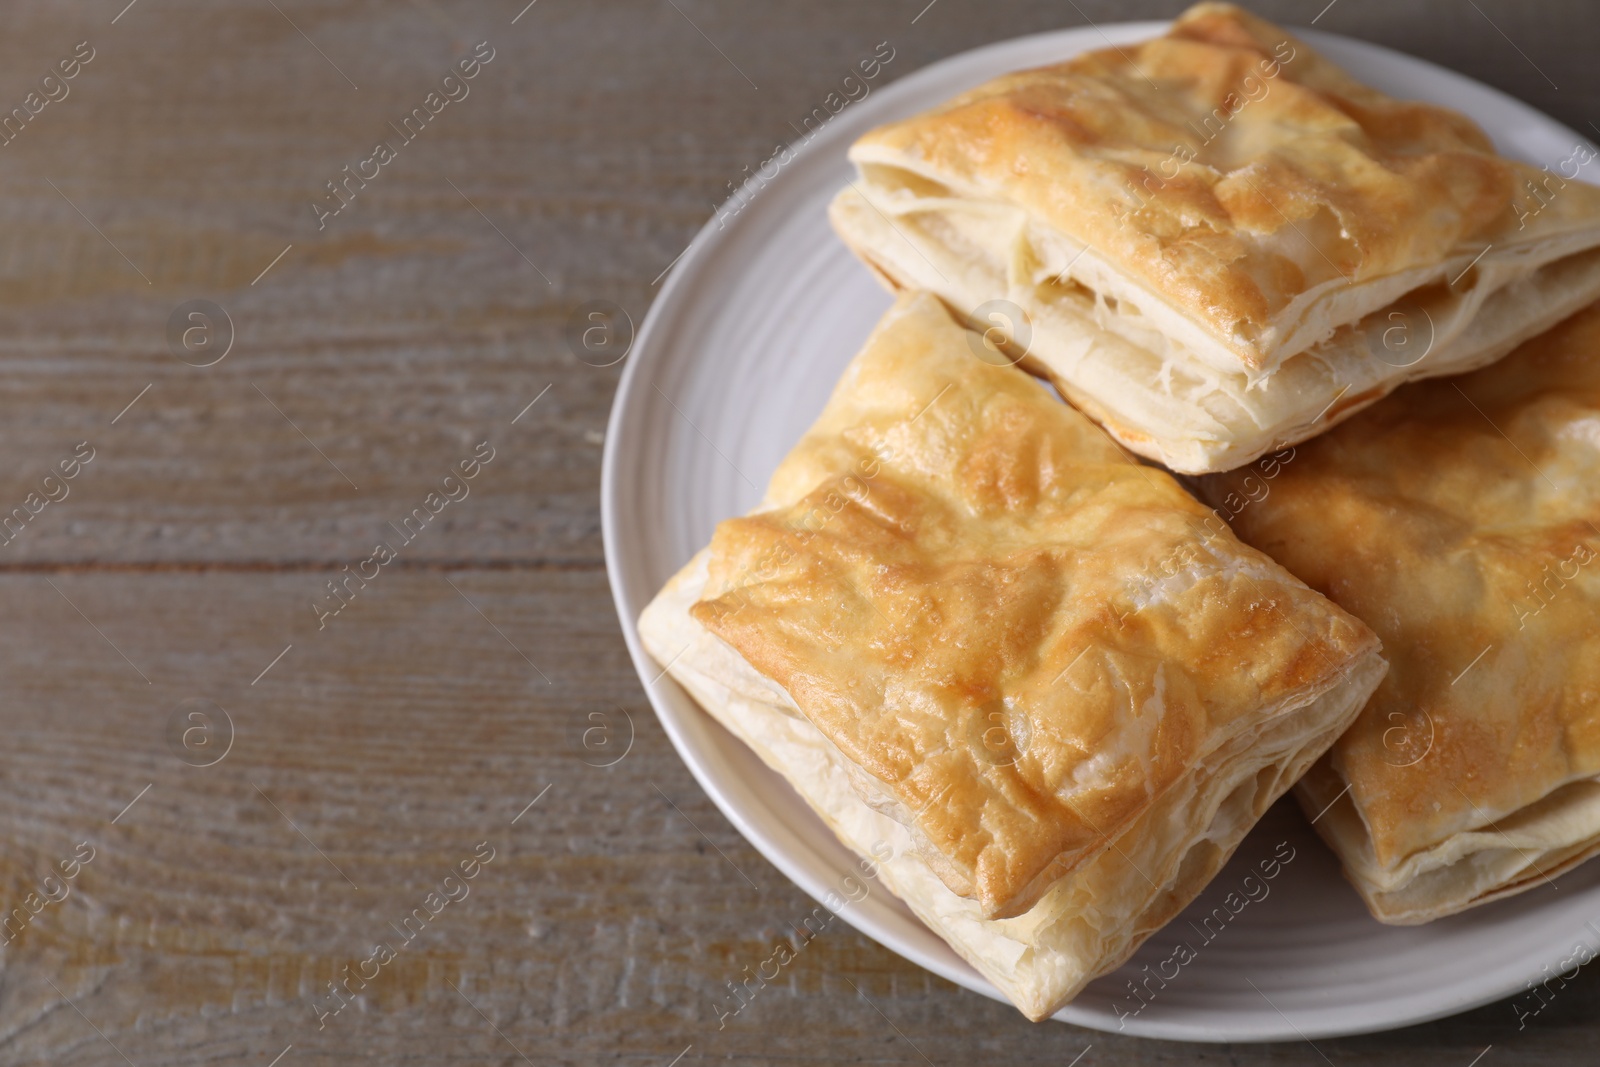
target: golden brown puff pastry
1461 520
1213 234
969 630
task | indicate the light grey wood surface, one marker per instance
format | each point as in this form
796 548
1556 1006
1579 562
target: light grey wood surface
482 669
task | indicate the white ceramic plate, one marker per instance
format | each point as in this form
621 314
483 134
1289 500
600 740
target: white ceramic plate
738 356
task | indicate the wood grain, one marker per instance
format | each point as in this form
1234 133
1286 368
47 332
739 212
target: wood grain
482 669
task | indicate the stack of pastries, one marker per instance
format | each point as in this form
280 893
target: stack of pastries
1054 660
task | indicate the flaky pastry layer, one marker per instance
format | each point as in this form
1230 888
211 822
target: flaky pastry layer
1460 519
1223 243
1035 660
952 555
1155 396
1089 922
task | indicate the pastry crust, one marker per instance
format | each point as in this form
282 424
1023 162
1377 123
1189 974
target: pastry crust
961 619
1461 519
1213 230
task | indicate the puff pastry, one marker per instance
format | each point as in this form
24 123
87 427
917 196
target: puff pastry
1461 520
977 638
1222 244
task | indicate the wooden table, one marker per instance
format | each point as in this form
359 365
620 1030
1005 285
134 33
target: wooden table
268 790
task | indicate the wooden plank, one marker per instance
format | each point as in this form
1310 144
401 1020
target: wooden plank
182 563
408 327
367 763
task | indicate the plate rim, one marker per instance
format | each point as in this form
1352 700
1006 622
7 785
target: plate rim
678 276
